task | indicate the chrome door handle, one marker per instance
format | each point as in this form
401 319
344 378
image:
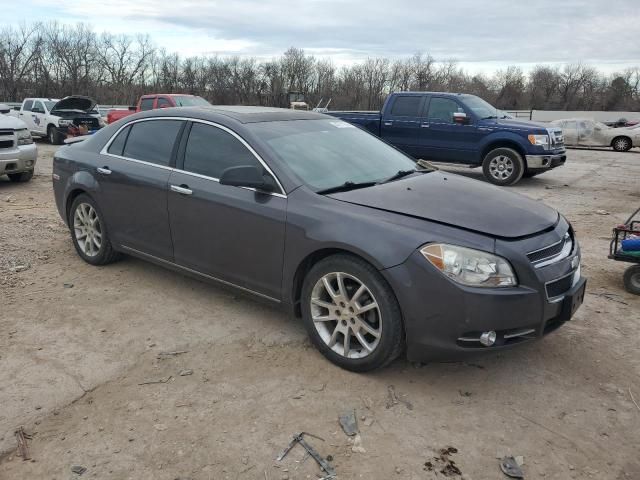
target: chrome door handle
388 124
184 190
424 125
104 170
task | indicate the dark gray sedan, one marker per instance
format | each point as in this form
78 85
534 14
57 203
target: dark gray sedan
376 253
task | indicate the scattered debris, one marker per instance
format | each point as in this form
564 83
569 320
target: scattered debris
357 445
298 395
23 448
162 380
510 467
161 427
78 469
171 354
602 212
19 268
184 373
608 296
393 399
368 421
324 463
443 464
67 285
464 393
633 399
349 423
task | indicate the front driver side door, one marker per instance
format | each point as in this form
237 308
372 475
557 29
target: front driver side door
232 234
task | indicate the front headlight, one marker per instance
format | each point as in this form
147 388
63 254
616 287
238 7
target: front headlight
64 122
542 140
24 137
470 267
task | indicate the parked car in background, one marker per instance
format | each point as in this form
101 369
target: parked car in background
56 119
18 153
374 252
158 100
585 132
4 109
459 128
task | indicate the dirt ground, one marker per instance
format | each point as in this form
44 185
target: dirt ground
78 345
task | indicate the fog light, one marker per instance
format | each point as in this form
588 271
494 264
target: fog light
488 338
29 163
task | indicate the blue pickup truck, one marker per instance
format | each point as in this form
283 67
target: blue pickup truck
460 128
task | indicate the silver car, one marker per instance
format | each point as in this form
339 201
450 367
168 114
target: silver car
18 153
585 132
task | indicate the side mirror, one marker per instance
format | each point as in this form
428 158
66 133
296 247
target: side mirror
460 118
247 176
132 108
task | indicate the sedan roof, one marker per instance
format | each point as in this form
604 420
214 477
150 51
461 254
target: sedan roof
240 113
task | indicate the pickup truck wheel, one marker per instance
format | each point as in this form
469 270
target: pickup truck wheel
21 177
351 314
503 166
53 136
89 232
621 144
632 279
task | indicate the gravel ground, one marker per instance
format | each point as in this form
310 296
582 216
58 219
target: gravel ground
77 342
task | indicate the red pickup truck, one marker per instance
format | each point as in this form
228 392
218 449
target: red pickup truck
158 100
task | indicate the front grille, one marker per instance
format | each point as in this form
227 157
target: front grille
90 122
557 139
548 253
6 143
559 287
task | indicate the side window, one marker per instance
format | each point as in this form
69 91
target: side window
146 104
163 103
117 146
27 105
211 150
406 106
152 141
442 110
38 107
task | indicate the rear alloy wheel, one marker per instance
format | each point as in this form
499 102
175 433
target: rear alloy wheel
503 166
632 279
89 233
621 144
21 177
351 314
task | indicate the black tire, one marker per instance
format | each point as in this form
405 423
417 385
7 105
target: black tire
53 136
621 144
21 177
105 253
632 279
390 342
513 166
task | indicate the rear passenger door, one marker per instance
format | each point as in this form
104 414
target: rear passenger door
401 123
133 175
229 233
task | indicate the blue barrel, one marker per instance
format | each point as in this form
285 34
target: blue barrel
631 245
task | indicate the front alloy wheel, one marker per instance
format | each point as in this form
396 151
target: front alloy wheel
346 315
351 314
503 166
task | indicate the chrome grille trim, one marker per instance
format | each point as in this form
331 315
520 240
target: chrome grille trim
557 251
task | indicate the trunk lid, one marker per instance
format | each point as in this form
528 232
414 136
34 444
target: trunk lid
457 201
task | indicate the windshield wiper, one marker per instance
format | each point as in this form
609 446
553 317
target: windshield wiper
346 186
404 173
489 117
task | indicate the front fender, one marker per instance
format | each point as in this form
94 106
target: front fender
494 139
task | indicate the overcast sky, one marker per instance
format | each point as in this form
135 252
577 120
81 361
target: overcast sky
482 35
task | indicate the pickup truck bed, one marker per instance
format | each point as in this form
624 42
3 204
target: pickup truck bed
370 120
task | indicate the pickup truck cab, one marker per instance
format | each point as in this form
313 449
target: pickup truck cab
461 128
158 100
55 119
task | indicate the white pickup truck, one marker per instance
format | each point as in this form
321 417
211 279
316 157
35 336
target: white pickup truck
56 119
18 153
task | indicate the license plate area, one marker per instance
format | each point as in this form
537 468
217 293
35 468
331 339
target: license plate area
572 300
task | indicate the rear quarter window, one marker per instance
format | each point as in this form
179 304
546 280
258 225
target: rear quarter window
152 141
146 104
117 146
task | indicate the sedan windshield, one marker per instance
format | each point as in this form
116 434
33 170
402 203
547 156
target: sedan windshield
187 101
326 154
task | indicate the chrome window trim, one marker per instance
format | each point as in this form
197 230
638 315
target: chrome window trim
196 272
105 149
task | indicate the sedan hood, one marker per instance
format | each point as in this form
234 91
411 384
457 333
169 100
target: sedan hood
457 201
75 102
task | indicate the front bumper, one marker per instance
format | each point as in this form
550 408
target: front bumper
18 159
545 161
444 320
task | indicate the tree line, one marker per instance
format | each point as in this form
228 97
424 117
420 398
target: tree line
55 60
